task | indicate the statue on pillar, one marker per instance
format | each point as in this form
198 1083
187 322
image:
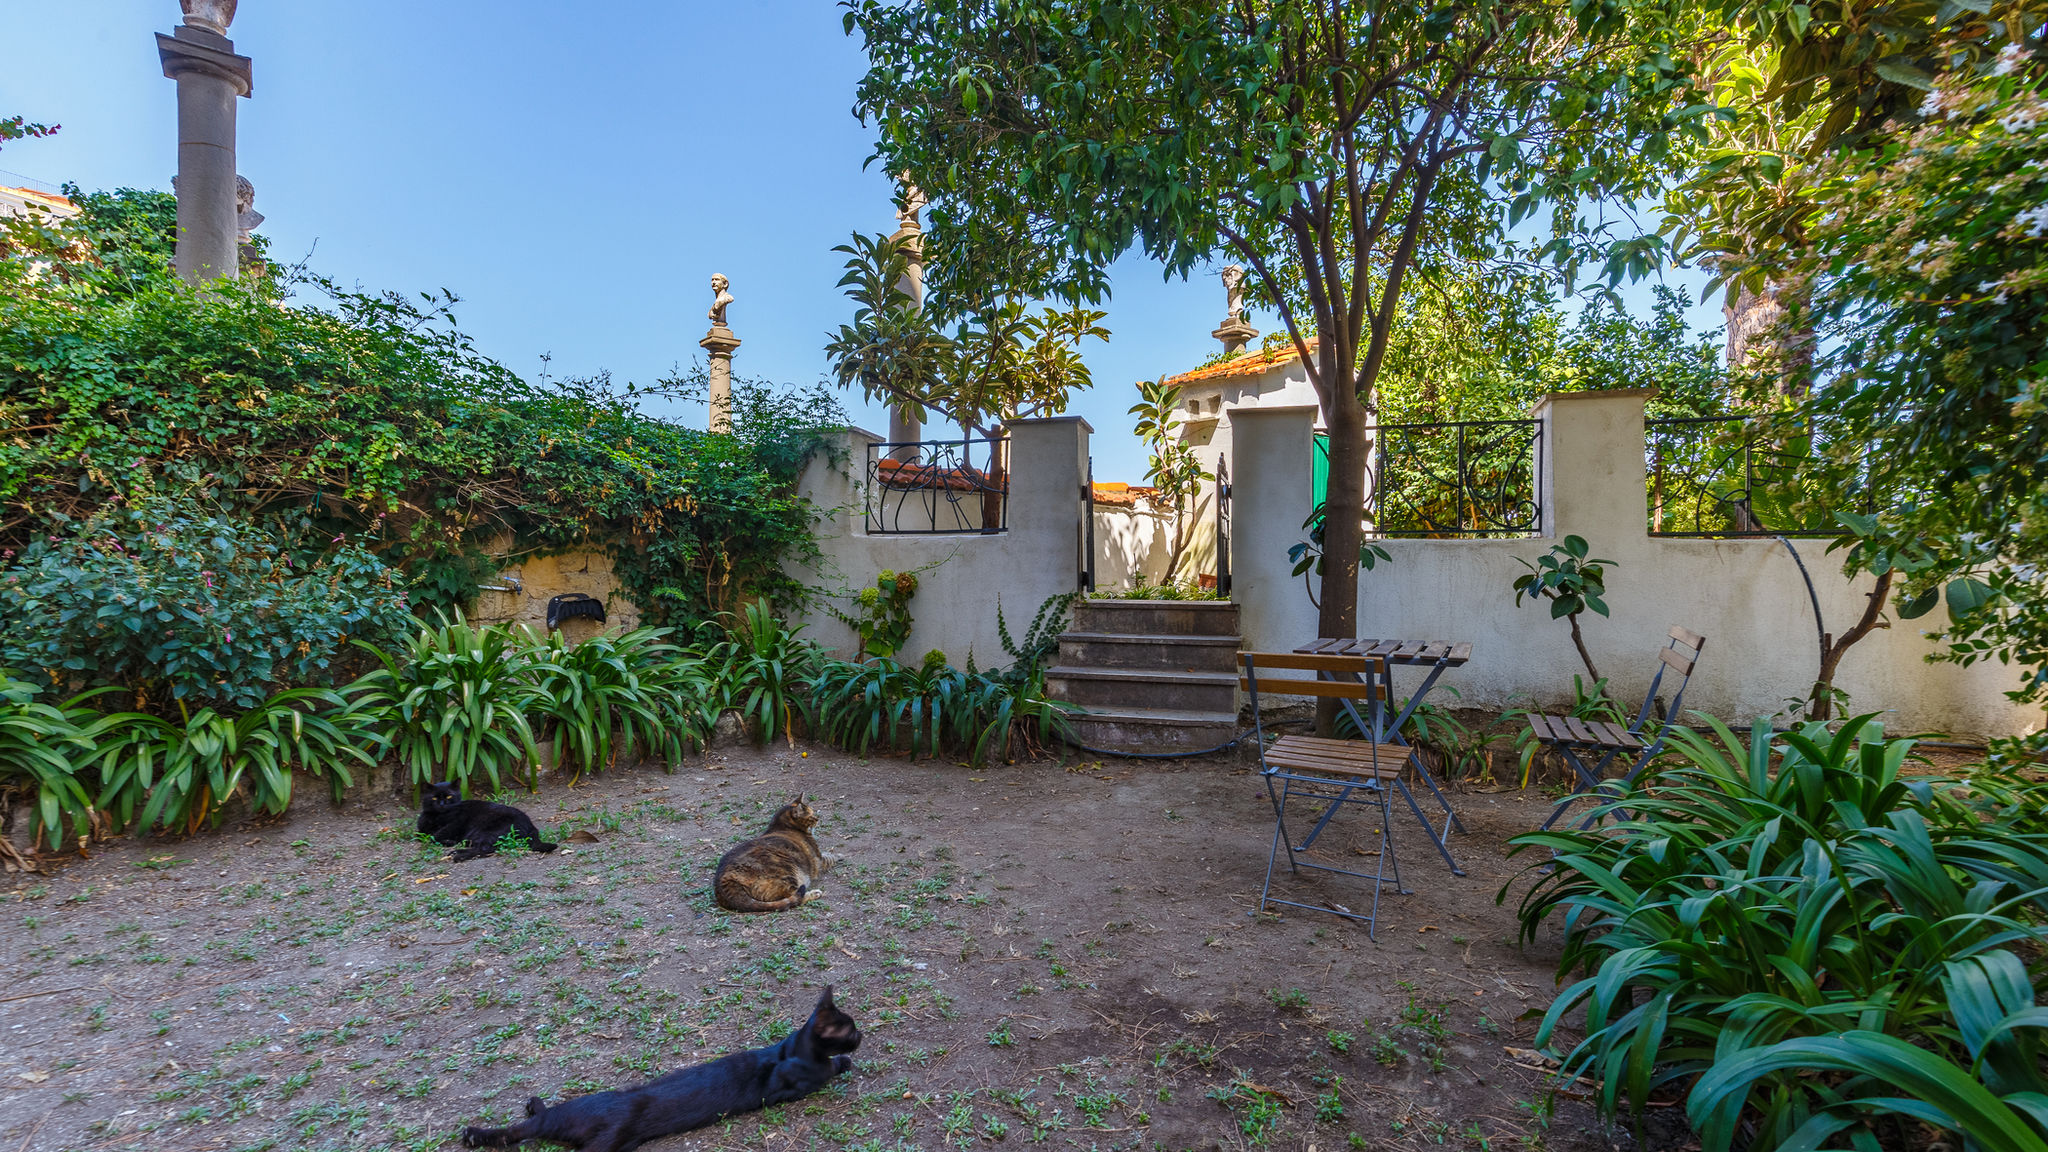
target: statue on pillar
209 15
913 204
1235 331
720 298
719 345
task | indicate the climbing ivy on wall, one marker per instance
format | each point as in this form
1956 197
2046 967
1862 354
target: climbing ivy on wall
337 416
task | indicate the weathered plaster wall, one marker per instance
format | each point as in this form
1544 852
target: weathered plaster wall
1745 595
545 577
963 577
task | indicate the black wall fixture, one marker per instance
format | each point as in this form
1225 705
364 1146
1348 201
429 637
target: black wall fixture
574 606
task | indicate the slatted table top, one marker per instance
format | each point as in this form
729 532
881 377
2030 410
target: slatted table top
1425 652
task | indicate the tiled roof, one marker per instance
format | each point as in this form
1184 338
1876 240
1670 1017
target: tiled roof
51 201
1243 364
1117 495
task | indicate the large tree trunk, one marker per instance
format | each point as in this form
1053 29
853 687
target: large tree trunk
1343 531
1757 330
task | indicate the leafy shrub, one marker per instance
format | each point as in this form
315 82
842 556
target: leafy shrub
182 773
617 693
372 415
1815 938
761 669
1186 590
923 710
881 613
179 603
453 705
40 747
1573 582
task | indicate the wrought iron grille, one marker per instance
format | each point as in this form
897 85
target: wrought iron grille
1715 476
928 487
1458 478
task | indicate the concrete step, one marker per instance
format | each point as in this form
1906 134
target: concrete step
1162 617
1135 688
1139 650
1153 730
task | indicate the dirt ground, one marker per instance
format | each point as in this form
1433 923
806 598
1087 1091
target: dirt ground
1047 953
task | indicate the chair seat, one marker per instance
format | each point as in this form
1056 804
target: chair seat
1355 758
1588 733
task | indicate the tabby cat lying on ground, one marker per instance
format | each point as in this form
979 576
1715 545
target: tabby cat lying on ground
473 827
774 870
625 1118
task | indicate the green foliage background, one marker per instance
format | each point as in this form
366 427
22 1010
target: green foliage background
338 417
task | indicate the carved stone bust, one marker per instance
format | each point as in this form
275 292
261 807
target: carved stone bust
913 204
247 218
720 298
209 15
1233 287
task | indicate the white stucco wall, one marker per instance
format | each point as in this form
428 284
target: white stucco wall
966 575
1744 595
1131 545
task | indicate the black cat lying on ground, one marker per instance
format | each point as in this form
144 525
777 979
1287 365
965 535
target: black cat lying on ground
473 827
625 1118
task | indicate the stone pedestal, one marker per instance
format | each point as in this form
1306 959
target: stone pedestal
210 77
1235 333
719 344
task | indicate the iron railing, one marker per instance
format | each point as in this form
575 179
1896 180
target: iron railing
1456 478
1715 476
931 487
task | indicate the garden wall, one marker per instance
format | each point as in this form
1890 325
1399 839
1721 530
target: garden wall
962 576
1744 595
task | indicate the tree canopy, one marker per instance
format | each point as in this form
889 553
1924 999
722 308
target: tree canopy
1334 147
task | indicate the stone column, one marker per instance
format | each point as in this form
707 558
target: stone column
905 427
200 57
719 344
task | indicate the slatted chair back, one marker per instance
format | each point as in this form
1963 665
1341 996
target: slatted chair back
1679 656
1349 678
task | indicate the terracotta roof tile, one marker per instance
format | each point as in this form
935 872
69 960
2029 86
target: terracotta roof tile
1243 364
1116 495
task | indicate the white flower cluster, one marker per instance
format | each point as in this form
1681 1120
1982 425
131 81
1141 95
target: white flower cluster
2020 122
1930 106
2010 58
2033 221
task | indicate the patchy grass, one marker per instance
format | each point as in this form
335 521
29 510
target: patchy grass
1035 956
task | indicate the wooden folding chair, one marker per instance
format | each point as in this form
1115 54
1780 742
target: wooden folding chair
1330 772
1606 741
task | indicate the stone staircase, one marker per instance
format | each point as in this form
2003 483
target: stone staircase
1150 675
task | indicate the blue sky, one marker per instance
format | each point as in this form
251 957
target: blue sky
574 171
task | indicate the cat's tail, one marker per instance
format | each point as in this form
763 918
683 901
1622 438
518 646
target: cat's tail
543 846
736 897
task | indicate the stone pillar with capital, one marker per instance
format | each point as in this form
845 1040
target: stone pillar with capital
719 344
905 427
200 57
